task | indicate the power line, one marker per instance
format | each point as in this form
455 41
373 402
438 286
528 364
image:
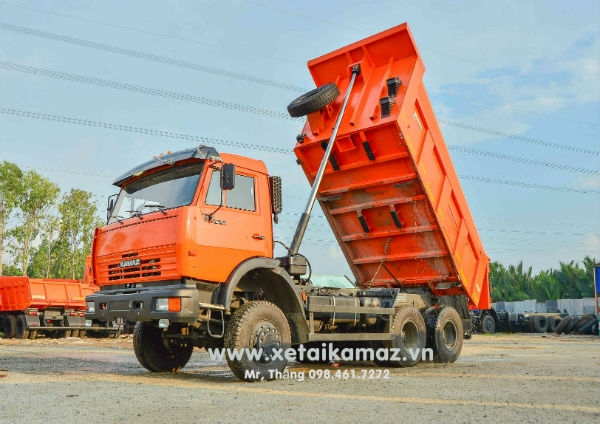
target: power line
143 90
528 185
139 130
219 141
246 77
148 56
502 134
250 109
142 31
527 161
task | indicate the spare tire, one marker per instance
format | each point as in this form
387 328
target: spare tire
562 324
313 100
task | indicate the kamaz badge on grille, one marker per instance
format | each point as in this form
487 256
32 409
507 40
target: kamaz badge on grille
130 262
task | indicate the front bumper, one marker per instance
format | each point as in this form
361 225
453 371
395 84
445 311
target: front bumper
139 304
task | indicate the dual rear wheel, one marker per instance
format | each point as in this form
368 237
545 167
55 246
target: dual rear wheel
437 335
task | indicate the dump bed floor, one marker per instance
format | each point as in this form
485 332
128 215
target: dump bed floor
390 191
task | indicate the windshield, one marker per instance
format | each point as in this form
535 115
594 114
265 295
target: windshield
162 190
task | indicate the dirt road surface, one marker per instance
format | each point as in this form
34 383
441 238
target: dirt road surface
498 378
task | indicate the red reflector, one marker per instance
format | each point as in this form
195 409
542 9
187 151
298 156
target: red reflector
174 304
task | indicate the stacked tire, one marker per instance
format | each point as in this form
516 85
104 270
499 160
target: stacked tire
586 324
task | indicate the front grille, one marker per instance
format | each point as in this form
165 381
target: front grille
147 268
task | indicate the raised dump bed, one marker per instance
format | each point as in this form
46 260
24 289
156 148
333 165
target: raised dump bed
390 192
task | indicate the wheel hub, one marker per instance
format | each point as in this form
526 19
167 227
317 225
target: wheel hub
266 338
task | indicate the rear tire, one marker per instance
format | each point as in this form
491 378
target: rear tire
257 325
444 333
488 324
156 354
313 100
10 326
409 328
21 327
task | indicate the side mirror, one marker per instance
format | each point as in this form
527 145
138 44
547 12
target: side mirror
227 176
111 206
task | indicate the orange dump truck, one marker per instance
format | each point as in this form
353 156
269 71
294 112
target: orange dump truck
187 251
53 307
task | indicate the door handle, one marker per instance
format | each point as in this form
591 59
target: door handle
258 237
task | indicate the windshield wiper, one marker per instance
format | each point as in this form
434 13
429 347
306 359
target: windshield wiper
159 207
135 212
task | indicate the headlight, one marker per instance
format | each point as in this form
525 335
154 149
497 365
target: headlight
162 304
90 307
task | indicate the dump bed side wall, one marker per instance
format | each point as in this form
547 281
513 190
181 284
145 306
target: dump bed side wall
20 293
390 192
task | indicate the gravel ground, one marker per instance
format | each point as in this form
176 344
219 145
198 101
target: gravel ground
498 378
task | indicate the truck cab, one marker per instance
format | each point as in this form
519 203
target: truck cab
192 228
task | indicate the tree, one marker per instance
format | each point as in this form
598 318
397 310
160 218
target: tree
11 189
78 220
38 195
44 256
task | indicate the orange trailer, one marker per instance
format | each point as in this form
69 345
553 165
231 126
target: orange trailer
29 306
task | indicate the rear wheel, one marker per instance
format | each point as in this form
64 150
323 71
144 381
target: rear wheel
488 324
258 327
21 327
444 333
10 326
408 326
156 353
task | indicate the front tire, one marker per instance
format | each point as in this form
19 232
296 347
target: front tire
157 354
254 327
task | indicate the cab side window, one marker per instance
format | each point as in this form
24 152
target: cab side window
241 197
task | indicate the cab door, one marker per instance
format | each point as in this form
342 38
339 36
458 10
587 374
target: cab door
237 223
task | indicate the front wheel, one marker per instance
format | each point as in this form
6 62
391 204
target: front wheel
256 338
157 354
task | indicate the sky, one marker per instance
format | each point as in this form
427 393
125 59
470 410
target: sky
89 89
